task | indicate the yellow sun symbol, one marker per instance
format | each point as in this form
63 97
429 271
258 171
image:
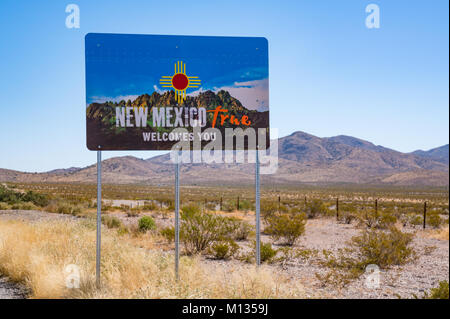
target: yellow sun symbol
179 81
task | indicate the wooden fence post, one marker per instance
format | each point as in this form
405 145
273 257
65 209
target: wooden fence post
337 208
376 207
424 215
279 203
237 204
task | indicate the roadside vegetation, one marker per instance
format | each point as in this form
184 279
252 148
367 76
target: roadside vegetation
217 227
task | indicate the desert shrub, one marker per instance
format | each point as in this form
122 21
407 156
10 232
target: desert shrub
440 292
224 249
62 207
211 205
168 233
383 248
268 208
4 206
133 213
267 252
191 209
12 197
199 230
122 230
379 247
415 219
315 208
380 220
151 206
36 198
347 217
111 221
434 219
9 196
170 205
242 231
146 223
24 206
287 226
386 219
228 206
245 205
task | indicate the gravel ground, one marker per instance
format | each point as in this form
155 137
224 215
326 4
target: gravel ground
10 290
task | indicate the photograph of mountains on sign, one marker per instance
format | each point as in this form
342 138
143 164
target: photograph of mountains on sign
149 92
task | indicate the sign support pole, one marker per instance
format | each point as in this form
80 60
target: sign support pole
177 216
258 230
99 216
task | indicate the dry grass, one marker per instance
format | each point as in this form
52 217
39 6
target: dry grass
441 234
37 253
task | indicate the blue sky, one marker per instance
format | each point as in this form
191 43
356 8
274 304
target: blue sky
328 73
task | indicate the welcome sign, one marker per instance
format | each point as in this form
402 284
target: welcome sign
148 92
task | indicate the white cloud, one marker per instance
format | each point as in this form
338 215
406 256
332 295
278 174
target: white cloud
252 94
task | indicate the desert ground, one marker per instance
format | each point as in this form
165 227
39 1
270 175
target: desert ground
37 243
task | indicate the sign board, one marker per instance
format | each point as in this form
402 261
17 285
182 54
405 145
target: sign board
147 92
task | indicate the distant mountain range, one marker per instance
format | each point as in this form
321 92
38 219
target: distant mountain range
303 158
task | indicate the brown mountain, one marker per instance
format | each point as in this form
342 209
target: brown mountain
303 158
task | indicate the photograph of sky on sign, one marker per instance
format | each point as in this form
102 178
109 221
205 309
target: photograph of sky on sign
155 71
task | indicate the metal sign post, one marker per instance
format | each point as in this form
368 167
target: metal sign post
177 217
258 231
99 216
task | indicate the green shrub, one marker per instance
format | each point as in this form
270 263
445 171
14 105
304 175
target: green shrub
287 226
168 233
24 206
383 248
198 230
4 206
315 208
111 221
415 219
379 247
441 292
245 205
380 220
224 249
122 230
267 252
242 231
434 219
146 223
386 219
268 208
347 217
151 206
191 209
12 197
37 199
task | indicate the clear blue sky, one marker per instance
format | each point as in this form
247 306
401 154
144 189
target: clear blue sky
329 74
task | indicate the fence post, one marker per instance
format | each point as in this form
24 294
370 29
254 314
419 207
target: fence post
424 215
279 203
376 207
220 203
337 208
237 204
